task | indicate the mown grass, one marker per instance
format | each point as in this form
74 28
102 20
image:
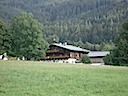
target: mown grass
18 78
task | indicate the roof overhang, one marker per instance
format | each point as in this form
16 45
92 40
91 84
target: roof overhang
71 48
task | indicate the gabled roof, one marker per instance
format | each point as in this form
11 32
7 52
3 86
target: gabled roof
70 47
98 53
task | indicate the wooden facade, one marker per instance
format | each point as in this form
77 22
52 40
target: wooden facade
96 59
61 52
97 56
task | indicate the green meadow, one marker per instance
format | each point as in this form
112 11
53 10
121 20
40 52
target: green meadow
29 78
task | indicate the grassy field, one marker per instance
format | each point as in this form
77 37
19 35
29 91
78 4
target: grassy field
18 78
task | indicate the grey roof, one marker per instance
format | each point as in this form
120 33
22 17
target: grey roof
70 47
98 53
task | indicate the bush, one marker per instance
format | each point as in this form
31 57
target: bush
85 59
108 60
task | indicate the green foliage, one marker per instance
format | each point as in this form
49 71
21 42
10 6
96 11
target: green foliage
108 60
119 55
73 21
85 59
50 79
94 47
108 46
93 21
121 52
52 39
5 38
27 37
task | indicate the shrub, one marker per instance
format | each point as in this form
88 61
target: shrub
85 59
116 61
108 60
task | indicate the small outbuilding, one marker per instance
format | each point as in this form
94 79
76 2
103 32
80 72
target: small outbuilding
97 56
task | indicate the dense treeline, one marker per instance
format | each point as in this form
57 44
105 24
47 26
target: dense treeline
85 23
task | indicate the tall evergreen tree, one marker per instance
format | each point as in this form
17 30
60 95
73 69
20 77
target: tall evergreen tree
119 56
121 51
27 37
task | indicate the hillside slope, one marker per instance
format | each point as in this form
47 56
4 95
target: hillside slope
74 21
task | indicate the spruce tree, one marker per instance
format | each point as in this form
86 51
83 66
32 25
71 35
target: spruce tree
121 51
119 56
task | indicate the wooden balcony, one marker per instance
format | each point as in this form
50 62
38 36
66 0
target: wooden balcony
60 57
57 57
52 51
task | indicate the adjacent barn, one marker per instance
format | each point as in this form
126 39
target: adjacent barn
97 56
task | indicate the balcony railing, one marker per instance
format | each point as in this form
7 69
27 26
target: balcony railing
52 51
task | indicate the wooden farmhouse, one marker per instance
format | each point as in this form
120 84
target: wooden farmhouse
62 52
70 54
